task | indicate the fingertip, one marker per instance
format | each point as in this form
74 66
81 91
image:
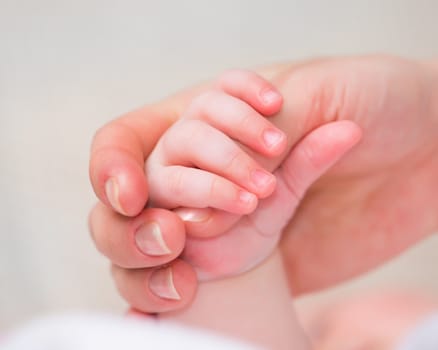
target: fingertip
253 89
119 181
355 132
112 192
347 130
247 203
163 289
173 287
275 141
341 136
132 192
271 100
171 232
185 280
263 183
116 166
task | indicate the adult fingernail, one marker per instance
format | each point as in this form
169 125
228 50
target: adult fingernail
261 178
270 96
193 215
161 284
112 192
150 241
272 137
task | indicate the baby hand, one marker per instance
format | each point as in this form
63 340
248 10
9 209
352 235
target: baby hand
197 162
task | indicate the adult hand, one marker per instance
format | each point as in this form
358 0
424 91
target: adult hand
351 212
129 235
383 197
377 201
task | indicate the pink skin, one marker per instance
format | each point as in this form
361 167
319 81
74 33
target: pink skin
118 154
255 236
119 148
202 139
356 217
386 318
196 164
221 166
307 161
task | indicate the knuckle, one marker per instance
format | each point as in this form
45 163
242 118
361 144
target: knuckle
235 161
199 106
181 133
168 140
194 129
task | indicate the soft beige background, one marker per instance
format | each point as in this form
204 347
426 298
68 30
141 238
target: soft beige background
67 67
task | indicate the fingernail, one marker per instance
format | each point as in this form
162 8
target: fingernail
247 197
112 194
193 215
150 241
269 96
272 137
261 178
161 284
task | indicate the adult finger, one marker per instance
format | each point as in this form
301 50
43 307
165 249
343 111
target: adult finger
153 238
311 158
316 153
161 289
117 157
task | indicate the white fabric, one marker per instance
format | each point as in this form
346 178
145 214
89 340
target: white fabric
423 337
94 332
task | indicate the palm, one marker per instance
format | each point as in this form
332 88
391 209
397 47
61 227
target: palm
382 197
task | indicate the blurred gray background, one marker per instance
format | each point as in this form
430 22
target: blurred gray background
67 67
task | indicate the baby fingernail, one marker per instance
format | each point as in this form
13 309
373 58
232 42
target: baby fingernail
261 178
247 197
270 96
193 215
272 137
112 192
161 284
150 241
